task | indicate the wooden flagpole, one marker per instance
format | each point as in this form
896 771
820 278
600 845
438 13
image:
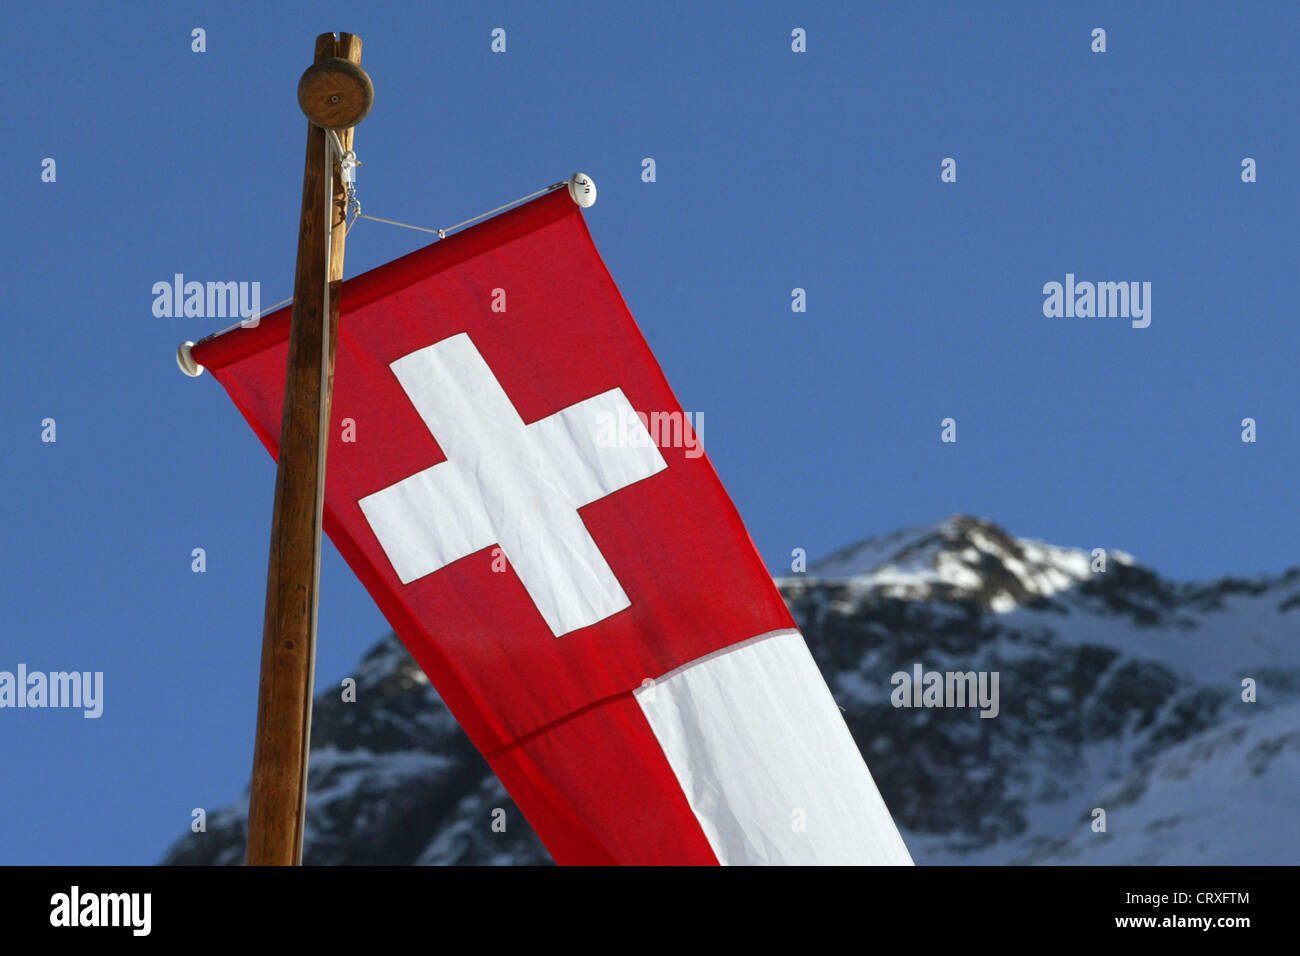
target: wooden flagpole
336 94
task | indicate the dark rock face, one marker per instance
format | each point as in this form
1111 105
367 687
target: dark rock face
1102 674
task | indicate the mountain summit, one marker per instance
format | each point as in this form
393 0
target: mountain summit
959 558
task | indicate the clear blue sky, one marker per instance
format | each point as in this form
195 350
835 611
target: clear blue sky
775 170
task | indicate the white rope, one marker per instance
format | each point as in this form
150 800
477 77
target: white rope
337 144
405 225
271 308
442 233
249 322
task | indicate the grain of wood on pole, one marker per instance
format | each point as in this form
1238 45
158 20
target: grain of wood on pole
333 94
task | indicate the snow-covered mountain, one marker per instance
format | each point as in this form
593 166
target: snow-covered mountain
1118 690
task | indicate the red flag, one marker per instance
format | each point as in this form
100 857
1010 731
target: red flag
514 483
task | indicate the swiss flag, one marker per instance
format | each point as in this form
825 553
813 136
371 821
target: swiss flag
529 507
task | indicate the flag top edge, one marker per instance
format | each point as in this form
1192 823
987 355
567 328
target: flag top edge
224 349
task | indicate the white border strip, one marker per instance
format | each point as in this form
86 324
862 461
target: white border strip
765 760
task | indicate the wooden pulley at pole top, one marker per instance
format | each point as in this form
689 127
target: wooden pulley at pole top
335 93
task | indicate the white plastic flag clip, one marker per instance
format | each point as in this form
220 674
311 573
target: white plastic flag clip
582 190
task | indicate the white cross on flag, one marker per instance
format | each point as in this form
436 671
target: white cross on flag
528 505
